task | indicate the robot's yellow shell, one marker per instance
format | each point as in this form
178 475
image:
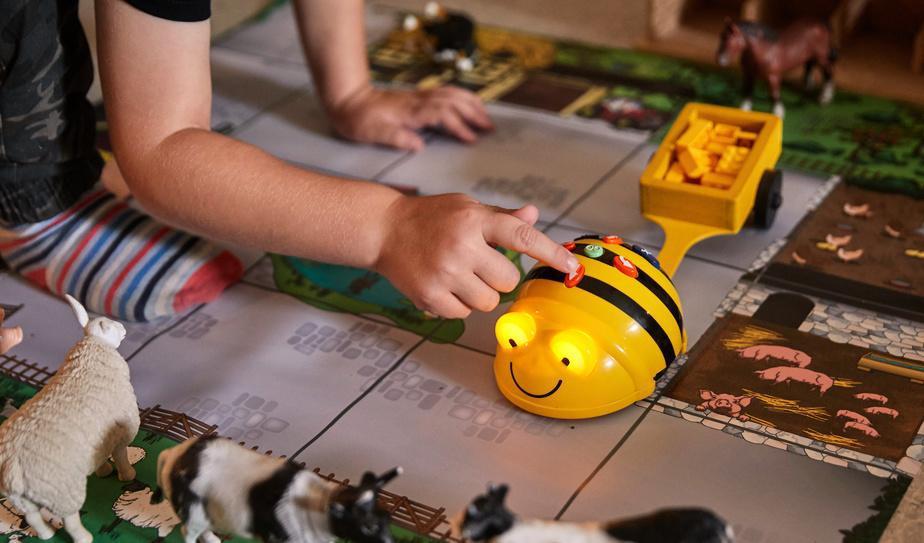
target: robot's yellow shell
594 342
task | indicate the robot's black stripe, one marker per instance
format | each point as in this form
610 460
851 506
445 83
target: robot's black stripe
614 296
645 279
636 251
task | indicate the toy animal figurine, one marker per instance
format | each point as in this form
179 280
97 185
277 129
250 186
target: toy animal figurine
217 485
9 337
86 413
411 37
451 35
767 55
488 519
592 343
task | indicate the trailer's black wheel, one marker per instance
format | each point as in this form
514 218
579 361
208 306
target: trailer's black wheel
768 200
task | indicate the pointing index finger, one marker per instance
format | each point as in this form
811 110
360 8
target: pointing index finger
514 234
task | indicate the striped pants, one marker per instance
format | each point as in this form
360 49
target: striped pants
118 261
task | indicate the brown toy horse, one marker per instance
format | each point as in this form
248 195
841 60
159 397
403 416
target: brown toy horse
767 54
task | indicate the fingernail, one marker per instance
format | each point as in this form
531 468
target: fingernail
572 263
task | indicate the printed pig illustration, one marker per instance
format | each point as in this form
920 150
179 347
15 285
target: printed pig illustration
854 416
878 410
779 352
865 428
869 396
785 374
728 403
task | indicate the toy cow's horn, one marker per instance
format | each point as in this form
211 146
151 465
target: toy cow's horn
79 310
387 477
498 491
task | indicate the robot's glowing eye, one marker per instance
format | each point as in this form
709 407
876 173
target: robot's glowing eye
515 329
575 350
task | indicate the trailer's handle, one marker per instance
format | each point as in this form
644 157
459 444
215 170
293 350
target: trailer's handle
679 236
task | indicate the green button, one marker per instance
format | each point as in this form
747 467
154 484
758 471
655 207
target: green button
593 251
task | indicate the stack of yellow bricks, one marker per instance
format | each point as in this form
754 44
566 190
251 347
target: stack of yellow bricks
710 154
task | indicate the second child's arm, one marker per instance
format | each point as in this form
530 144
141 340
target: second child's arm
335 45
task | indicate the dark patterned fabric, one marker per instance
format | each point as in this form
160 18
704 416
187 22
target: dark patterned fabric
48 157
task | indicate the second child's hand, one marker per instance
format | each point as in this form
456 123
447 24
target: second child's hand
393 117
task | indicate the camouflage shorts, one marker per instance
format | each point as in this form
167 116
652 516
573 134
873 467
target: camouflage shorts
48 156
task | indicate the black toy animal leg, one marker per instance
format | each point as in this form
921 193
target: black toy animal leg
808 77
747 90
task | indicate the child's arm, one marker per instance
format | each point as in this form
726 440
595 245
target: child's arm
157 89
335 46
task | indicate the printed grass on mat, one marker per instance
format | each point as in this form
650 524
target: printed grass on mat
362 292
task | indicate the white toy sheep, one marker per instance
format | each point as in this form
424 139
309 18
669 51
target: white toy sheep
488 519
69 429
215 484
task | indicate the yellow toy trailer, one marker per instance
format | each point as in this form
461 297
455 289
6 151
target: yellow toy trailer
714 170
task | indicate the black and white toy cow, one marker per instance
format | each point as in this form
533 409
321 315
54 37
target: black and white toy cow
488 519
216 485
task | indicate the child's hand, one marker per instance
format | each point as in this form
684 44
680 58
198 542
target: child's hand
391 117
438 251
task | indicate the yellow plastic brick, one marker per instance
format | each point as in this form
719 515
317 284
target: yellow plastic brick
675 173
726 130
695 162
732 160
717 147
696 135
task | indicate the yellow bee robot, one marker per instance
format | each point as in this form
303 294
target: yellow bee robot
591 343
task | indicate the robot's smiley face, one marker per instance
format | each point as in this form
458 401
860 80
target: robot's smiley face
542 362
